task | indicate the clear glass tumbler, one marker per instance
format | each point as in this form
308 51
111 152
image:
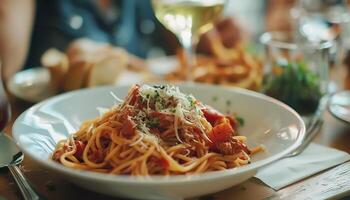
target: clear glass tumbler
296 71
320 20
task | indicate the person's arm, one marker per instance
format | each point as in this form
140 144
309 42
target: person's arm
278 15
16 21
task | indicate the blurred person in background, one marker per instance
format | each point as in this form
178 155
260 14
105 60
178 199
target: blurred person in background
28 28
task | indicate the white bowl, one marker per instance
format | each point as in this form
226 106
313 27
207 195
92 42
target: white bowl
267 121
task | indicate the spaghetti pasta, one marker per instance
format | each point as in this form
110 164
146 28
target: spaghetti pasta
156 130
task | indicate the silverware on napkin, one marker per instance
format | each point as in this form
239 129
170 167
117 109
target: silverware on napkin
10 157
312 128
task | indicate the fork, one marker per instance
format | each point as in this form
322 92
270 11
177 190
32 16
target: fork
11 157
312 129
310 132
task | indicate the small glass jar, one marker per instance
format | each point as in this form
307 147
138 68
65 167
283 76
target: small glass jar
296 71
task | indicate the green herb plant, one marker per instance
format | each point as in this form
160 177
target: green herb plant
296 86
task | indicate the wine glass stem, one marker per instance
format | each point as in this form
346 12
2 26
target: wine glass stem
187 40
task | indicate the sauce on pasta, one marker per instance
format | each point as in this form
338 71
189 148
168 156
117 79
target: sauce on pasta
156 130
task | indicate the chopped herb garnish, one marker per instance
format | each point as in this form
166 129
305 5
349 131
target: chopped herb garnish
157 94
240 120
191 100
215 98
228 102
162 87
152 123
145 99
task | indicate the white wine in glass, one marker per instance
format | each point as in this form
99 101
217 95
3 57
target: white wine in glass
187 19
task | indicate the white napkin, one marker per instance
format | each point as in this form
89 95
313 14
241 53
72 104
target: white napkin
313 159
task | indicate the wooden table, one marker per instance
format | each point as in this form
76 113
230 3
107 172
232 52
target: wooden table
329 183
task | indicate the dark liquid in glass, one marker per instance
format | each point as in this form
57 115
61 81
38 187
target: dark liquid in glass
4 106
4 110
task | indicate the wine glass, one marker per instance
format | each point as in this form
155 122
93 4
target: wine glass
187 19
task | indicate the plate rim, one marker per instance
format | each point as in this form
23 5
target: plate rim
347 121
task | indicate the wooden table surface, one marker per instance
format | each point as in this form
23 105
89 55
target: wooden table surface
333 183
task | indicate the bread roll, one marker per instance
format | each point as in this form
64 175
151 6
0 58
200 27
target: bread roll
83 49
57 64
76 75
86 63
107 68
135 63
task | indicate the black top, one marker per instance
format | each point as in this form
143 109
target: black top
130 24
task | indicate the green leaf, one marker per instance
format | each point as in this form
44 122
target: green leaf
152 123
297 86
240 120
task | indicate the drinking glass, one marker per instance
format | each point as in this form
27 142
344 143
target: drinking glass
187 19
322 20
296 72
10 155
5 111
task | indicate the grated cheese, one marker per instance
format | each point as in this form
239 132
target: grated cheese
168 100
